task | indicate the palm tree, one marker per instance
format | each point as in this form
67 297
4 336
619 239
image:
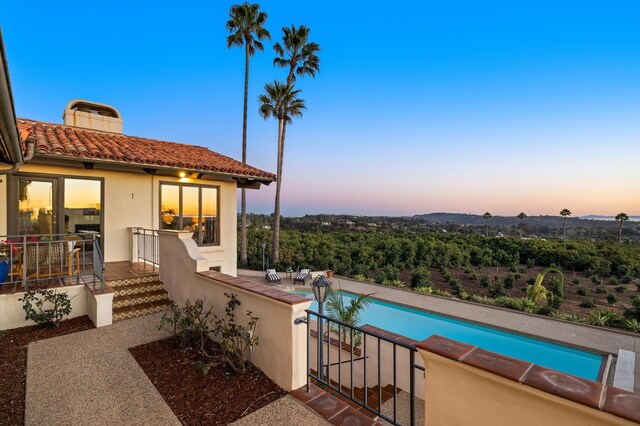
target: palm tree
349 313
281 102
565 213
537 292
297 53
246 25
486 216
521 216
622 217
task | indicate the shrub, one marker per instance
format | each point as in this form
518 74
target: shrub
236 340
531 281
612 299
517 276
496 289
601 317
633 325
509 280
582 290
600 290
613 281
46 307
421 277
575 280
485 281
531 263
190 325
482 299
589 303
634 311
596 279
621 289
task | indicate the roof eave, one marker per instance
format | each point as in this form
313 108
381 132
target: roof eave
10 149
52 158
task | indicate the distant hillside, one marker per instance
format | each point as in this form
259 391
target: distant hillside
510 221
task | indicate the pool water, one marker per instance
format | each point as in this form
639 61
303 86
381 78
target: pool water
417 324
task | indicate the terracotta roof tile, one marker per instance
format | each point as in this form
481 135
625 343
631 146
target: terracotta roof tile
84 144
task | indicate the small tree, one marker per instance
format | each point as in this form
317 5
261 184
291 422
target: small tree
349 313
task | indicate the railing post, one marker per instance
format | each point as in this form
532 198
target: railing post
412 387
24 266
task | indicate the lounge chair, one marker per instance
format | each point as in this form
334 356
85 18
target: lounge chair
304 275
272 277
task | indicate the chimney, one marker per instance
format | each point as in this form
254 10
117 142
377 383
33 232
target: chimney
92 115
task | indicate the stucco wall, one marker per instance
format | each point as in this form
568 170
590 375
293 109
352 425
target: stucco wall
458 394
281 352
133 199
12 314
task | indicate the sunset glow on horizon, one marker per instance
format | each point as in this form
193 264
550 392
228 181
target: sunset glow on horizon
466 106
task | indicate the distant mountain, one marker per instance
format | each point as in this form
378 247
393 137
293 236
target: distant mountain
600 217
509 221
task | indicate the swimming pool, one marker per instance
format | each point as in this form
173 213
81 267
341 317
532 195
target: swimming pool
418 324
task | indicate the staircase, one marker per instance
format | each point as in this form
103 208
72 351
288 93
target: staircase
138 296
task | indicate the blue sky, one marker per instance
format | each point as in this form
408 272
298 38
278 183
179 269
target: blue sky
465 106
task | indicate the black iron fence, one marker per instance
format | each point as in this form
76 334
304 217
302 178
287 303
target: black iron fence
147 243
360 353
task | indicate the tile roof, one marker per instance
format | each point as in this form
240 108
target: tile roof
85 144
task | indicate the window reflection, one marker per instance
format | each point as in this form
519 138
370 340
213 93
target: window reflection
82 206
191 208
35 207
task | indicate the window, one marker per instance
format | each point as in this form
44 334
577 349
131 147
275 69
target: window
191 208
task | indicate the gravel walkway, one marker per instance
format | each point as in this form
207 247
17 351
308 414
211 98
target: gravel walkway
90 378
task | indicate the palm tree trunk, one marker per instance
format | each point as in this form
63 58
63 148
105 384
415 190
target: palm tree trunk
244 261
487 233
275 252
564 229
620 233
521 223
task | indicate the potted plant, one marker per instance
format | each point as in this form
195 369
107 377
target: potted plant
7 250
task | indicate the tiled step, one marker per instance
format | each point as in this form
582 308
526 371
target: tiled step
133 280
130 289
139 298
139 310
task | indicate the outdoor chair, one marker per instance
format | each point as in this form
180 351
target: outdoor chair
305 274
51 259
272 277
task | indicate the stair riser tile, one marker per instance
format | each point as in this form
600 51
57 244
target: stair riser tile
139 300
137 290
137 280
140 312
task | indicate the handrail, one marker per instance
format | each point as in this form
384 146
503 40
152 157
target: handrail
148 245
340 331
98 265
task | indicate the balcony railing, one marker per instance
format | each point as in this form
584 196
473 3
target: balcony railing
52 260
366 362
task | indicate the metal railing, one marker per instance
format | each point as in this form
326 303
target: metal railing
50 259
98 267
147 246
344 337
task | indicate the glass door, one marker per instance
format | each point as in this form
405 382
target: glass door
37 206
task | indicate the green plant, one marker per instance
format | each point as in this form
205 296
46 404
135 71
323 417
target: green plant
589 303
621 289
596 279
496 289
613 281
582 290
3 333
537 292
509 280
485 281
349 313
235 339
190 325
634 311
575 281
482 299
633 325
46 307
393 283
600 290
421 277
601 317
612 299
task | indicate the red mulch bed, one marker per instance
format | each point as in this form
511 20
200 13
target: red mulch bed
218 398
13 363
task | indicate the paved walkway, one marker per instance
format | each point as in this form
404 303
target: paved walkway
90 378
